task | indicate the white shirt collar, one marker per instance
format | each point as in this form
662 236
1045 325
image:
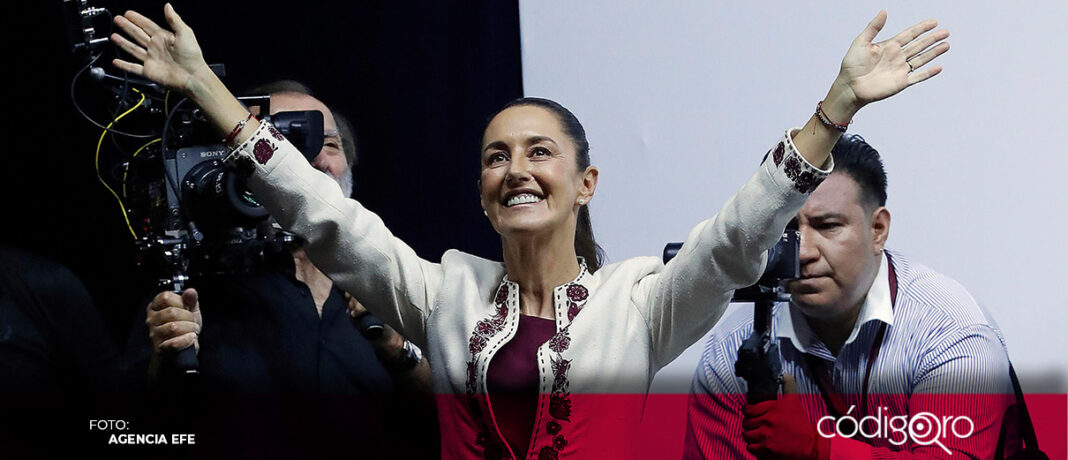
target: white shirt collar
876 307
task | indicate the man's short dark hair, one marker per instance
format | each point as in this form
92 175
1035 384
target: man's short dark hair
858 160
348 135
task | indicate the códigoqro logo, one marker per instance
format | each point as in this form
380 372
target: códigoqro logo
923 428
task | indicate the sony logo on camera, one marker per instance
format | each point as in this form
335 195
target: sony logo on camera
209 154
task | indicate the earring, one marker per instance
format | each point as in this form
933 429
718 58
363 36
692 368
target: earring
582 201
484 213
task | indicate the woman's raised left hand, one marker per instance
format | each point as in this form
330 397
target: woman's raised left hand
874 71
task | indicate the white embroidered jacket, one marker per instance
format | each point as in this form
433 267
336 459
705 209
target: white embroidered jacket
615 327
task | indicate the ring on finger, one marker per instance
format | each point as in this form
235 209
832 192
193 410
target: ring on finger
911 69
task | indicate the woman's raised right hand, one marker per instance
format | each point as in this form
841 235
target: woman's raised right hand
172 59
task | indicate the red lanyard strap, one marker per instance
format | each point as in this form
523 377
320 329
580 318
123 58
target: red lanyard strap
831 397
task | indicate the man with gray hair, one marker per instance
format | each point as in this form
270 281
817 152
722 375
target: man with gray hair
339 154
286 330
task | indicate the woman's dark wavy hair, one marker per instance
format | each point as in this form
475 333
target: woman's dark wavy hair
585 244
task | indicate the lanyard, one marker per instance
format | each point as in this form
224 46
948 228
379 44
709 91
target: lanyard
831 397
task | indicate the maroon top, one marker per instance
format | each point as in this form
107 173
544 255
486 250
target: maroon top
513 381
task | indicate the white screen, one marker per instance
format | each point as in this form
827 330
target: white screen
680 101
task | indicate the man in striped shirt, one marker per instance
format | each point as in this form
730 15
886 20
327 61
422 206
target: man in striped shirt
883 357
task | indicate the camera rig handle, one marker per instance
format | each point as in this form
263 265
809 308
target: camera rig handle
758 357
185 361
170 251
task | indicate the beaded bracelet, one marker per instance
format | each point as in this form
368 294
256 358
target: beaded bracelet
827 121
237 129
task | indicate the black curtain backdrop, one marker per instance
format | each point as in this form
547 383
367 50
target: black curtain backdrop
417 79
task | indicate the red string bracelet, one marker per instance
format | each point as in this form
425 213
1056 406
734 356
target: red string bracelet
237 129
827 121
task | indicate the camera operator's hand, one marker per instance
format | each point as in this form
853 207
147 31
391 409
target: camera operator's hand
779 429
410 370
389 345
169 58
174 321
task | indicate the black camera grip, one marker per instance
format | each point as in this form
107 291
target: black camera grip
185 361
758 357
371 328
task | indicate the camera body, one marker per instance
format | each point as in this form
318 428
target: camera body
783 265
758 356
193 216
196 216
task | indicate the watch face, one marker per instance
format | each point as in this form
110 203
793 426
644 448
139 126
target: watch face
413 352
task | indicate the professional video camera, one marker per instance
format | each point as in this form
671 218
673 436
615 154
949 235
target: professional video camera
783 265
197 216
758 356
189 215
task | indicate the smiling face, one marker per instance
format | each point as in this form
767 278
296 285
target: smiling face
530 181
841 246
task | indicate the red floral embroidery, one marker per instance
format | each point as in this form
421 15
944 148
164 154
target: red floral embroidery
792 167
488 327
560 368
778 154
560 341
577 292
502 294
806 182
572 310
577 295
274 132
559 442
484 327
263 151
483 331
552 427
477 343
805 179
471 373
560 407
548 453
560 399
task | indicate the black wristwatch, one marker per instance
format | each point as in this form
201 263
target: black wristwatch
372 329
409 357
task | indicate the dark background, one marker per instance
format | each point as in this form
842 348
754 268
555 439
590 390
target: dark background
417 79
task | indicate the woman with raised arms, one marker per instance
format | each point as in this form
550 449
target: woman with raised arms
523 351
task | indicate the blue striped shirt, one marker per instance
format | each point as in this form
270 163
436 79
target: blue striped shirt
938 341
